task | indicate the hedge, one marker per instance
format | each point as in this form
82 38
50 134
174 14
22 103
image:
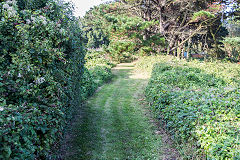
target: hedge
41 68
199 106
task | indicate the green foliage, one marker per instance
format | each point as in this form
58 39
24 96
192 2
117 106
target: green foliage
100 74
232 48
233 24
202 14
232 42
97 58
121 34
146 51
96 38
42 60
199 102
97 72
127 37
31 4
122 51
95 33
88 86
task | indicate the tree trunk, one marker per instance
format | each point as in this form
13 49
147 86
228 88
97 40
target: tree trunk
216 48
183 50
188 48
168 50
178 49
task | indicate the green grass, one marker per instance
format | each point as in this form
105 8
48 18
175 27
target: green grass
113 125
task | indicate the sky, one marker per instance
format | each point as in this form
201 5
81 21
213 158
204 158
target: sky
84 5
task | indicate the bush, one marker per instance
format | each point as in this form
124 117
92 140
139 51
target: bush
122 51
146 51
42 60
98 58
94 78
199 106
97 72
88 85
101 74
232 48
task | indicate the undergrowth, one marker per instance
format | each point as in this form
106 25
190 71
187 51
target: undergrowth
97 72
199 103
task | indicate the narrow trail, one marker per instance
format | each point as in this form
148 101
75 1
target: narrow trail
115 124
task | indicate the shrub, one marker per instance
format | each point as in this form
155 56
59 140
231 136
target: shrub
42 60
93 78
232 48
100 74
98 58
146 51
122 51
199 105
99 70
88 86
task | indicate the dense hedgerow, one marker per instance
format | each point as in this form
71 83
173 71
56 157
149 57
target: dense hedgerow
199 102
41 67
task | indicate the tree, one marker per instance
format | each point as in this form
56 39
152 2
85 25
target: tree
179 21
121 32
232 42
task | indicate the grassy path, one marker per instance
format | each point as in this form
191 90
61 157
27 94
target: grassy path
114 125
